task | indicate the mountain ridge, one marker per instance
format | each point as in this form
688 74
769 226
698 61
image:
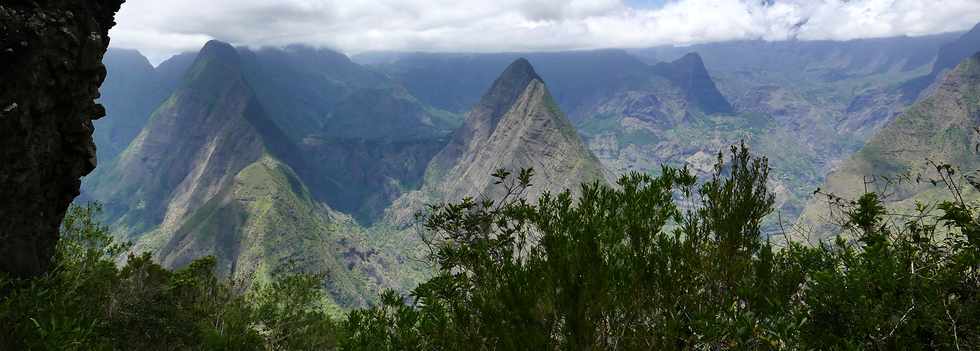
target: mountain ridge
949 56
940 128
516 125
212 174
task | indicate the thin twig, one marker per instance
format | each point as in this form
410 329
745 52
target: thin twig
956 338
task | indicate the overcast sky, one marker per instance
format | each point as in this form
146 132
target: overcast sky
162 28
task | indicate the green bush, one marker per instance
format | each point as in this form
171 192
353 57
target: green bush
667 263
87 302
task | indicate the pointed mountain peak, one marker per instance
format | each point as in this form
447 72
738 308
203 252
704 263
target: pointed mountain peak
220 51
517 125
520 71
509 86
691 76
127 59
691 60
217 64
690 65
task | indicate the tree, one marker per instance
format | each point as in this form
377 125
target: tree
667 263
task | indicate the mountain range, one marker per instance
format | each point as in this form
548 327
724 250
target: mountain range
900 160
806 105
266 179
295 158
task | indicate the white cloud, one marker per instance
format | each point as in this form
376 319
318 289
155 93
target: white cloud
161 28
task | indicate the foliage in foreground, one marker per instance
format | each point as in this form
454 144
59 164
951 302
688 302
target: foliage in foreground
658 262
665 263
88 302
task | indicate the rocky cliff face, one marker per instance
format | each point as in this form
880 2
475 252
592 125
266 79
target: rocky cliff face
195 142
51 54
516 125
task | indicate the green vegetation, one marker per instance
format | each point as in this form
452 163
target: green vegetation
665 262
654 264
88 302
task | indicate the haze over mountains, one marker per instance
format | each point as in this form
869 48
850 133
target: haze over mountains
303 159
212 172
901 159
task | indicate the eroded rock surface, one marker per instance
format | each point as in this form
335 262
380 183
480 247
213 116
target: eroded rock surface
50 73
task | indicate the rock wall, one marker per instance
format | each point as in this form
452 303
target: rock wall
50 73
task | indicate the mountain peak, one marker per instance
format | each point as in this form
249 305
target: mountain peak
520 70
976 29
689 73
517 125
221 51
691 60
509 86
128 59
216 67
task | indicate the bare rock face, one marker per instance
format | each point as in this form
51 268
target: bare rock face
516 125
50 73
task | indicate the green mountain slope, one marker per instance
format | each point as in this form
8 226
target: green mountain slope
366 139
940 128
266 223
211 174
131 91
192 145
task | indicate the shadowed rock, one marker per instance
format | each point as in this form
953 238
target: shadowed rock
51 58
692 77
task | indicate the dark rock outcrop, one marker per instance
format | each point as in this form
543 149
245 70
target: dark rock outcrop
51 58
692 77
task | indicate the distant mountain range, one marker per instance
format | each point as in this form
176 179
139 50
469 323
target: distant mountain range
805 104
224 168
304 159
132 90
950 55
941 128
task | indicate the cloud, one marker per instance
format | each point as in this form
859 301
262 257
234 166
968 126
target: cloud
162 28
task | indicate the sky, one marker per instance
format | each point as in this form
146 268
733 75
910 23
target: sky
160 29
